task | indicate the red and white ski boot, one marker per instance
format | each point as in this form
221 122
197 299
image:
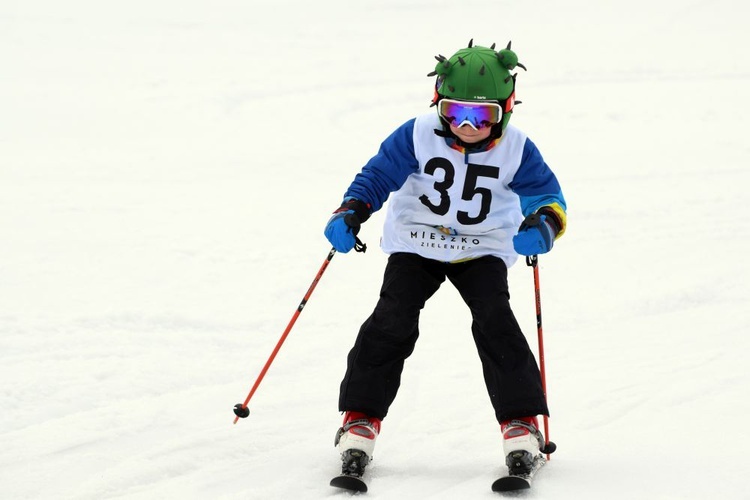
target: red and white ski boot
355 440
522 443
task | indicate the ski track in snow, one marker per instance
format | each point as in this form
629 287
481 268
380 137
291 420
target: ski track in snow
160 226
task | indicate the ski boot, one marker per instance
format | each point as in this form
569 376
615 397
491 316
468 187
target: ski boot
355 440
522 444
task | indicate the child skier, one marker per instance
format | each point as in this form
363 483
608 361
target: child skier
468 193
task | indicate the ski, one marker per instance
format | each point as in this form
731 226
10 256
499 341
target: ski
522 481
352 468
348 482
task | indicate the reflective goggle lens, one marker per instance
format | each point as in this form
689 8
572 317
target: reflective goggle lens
476 114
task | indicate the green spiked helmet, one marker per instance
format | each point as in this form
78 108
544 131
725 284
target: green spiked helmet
478 74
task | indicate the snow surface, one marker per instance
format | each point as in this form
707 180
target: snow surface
166 170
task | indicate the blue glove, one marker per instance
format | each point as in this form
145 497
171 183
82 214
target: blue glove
342 228
536 235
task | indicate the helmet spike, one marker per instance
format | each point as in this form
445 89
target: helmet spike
492 46
517 102
508 47
507 78
451 88
440 58
471 43
521 66
482 69
432 73
461 60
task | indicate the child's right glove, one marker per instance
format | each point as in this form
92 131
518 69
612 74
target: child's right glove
535 235
342 228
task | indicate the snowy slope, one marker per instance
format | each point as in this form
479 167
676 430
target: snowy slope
166 169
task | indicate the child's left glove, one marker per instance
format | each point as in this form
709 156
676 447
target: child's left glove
535 235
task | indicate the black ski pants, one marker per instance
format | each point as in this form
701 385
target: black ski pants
388 336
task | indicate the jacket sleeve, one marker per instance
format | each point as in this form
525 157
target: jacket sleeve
538 188
387 170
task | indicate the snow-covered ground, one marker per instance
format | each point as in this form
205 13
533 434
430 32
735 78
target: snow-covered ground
166 170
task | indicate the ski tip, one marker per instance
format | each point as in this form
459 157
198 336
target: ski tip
351 483
510 483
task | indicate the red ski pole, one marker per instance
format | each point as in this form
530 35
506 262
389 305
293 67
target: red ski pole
532 261
241 409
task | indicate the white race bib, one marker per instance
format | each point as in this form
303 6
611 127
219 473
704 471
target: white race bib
456 206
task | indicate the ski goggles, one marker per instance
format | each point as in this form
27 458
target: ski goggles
475 114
